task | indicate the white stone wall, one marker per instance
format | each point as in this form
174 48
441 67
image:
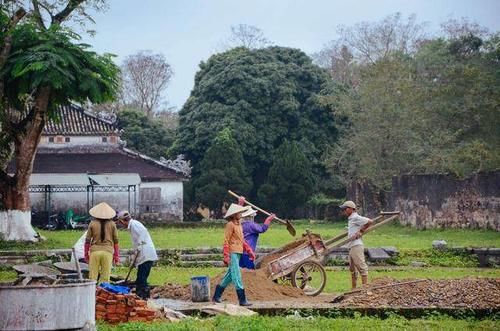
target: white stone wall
171 198
78 201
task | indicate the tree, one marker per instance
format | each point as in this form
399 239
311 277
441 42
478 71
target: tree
42 66
371 41
222 168
290 180
435 111
264 96
248 36
145 135
145 78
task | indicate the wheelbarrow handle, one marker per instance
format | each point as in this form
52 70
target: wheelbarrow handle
259 209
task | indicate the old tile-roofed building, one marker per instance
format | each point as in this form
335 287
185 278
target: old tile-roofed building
79 144
74 120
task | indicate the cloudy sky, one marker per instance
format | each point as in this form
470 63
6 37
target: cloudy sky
189 31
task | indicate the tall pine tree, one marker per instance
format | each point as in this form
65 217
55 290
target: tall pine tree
290 180
222 168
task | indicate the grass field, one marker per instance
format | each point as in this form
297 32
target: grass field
310 323
401 237
337 280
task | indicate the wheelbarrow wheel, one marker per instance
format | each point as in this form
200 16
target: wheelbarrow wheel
310 277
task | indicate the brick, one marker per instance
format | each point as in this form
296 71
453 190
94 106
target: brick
132 314
111 301
140 303
100 307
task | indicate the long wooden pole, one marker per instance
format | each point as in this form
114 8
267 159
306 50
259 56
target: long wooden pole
289 225
371 228
344 234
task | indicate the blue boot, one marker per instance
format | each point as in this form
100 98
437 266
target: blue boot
218 294
242 298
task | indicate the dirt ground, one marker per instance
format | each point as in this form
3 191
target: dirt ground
477 293
257 287
474 293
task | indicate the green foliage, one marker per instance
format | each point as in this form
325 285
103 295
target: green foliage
145 135
289 182
222 167
434 111
433 257
264 96
53 58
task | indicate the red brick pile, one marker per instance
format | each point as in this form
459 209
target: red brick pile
116 308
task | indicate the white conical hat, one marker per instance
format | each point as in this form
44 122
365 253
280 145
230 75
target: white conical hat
234 209
249 212
102 211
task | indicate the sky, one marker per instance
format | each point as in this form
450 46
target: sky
187 32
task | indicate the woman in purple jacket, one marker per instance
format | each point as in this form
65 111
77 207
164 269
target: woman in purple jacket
251 232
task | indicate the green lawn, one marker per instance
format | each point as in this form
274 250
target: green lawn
337 280
390 235
310 323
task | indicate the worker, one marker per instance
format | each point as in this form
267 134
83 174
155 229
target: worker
144 248
251 232
101 244
356 226
234 246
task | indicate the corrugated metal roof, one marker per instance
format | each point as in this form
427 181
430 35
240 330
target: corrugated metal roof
74 120
59 179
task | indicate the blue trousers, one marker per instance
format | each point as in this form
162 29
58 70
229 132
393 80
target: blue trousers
141 282
233 273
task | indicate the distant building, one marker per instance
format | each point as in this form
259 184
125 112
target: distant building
81 161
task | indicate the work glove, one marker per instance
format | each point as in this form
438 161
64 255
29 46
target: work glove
269 219
247 249
116 254
227 255
241 201
86 250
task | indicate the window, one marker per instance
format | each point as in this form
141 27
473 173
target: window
51 139
104 139
66 139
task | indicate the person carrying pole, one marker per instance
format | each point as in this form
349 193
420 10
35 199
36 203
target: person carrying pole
144 247
251 232
101 243
356 226
234 246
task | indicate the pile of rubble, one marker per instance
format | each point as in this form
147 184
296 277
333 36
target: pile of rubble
116 308
475 293
257 287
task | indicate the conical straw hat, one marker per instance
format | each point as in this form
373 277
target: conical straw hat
234 209
102 211
249 212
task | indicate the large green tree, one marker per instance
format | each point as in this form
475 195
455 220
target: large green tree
264 96
434 111
42 66
145 135
223 167
290 180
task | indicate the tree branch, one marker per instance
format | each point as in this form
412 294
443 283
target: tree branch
38 14
63 14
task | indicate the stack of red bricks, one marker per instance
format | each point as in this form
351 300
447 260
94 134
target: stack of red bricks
116 308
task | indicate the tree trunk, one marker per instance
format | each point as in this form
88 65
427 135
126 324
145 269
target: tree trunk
15 222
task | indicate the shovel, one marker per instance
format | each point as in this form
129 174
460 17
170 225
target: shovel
130 269
289 225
